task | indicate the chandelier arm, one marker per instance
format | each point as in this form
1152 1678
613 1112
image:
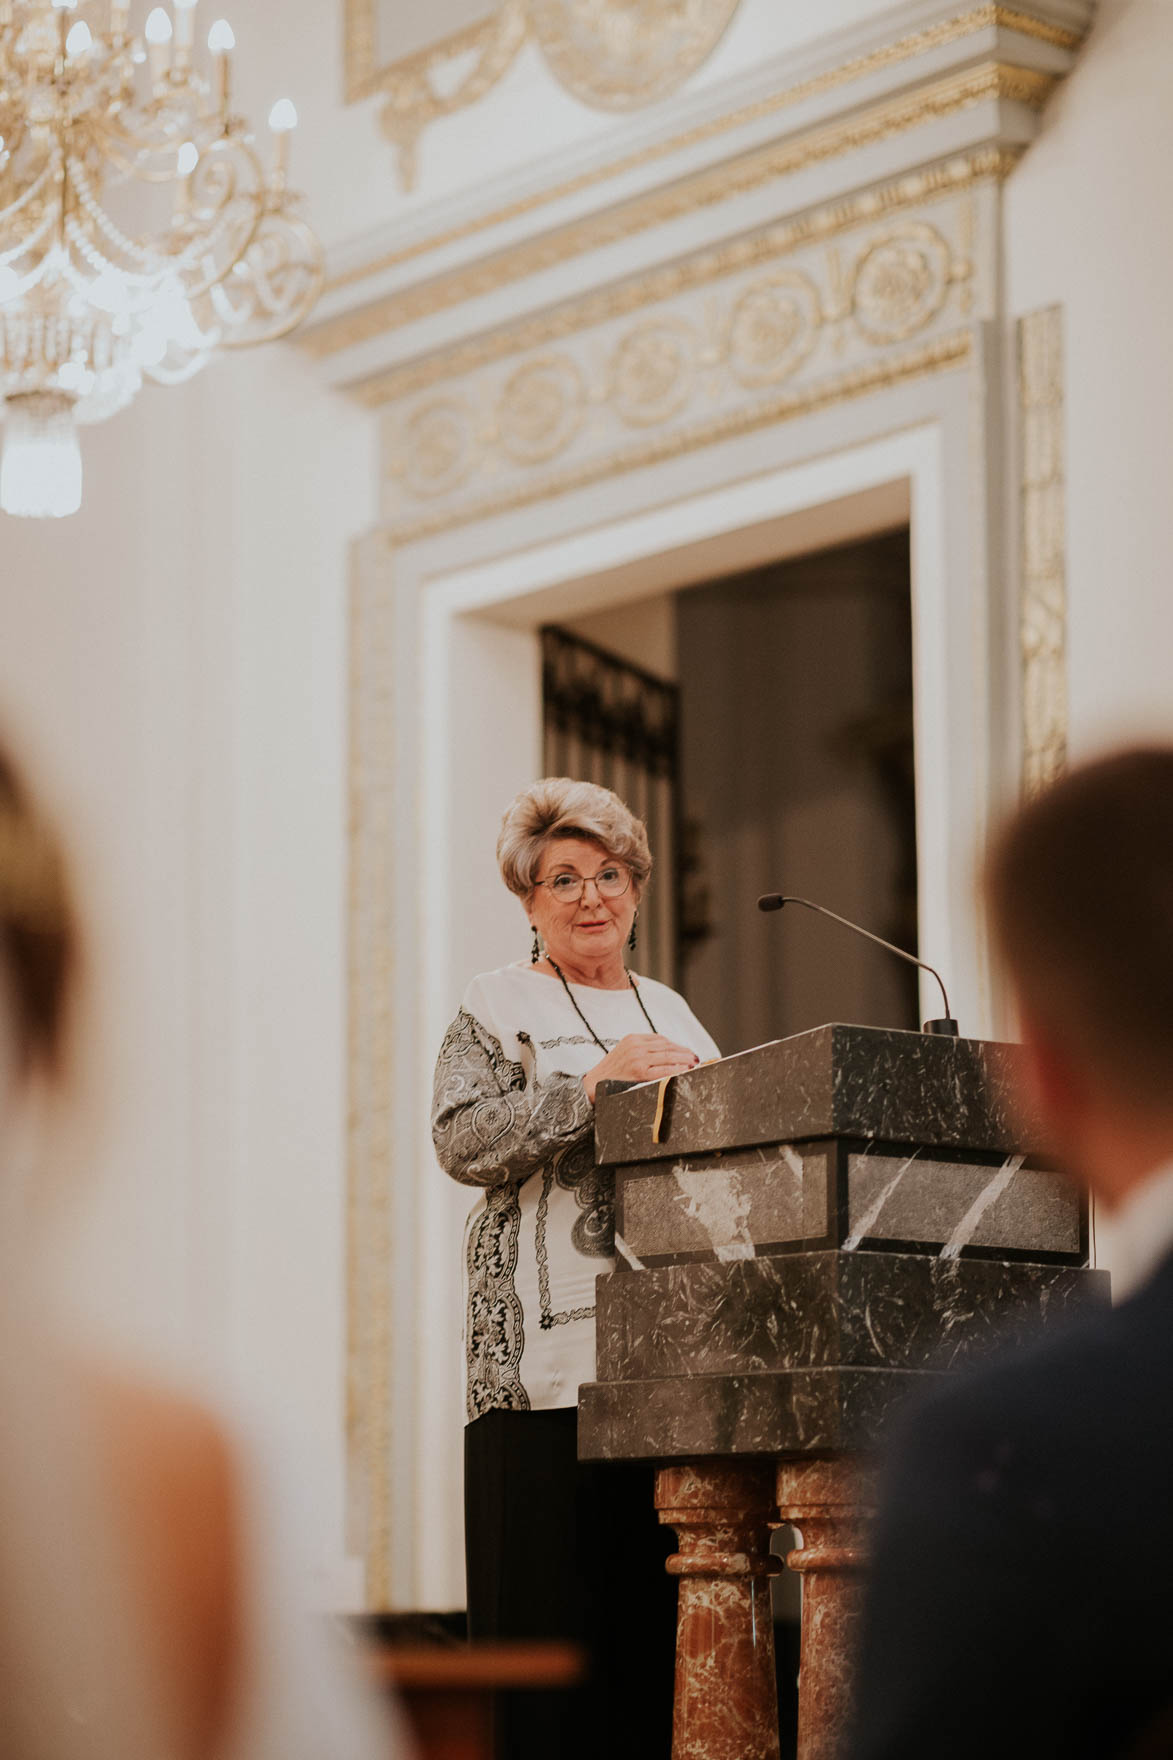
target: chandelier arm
44 225
287 316
220 219
15 134
151 260
130 248
28 195
152 263
127 152
150 133
220 274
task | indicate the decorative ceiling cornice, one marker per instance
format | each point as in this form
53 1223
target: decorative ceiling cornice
940 34
990 81
748 251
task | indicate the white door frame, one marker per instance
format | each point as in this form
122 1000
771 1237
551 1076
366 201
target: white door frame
446 724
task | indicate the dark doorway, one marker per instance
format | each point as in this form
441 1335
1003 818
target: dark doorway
797 776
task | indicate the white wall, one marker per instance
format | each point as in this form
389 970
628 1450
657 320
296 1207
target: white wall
1087 227
172 662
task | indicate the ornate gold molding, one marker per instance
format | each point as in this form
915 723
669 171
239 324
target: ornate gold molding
977 19
945 97
705 267
895 368
1043 589
359 48
597 49
756 333
408 86
371 835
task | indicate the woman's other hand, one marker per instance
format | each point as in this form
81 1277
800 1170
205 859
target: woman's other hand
641 1057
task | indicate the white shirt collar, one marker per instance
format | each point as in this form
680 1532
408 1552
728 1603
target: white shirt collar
1131 1241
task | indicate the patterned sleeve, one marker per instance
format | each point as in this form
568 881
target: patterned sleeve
488 1127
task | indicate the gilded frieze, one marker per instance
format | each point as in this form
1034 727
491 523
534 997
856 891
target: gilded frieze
726 346
685 274
945 353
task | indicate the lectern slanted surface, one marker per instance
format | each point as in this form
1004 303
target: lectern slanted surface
835 1081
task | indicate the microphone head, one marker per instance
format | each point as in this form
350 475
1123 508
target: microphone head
771 901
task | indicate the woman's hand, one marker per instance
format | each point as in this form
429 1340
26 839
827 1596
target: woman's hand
641 1057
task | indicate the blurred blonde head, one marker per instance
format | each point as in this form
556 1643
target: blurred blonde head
38 933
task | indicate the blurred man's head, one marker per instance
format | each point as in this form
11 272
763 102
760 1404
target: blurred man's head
1080 888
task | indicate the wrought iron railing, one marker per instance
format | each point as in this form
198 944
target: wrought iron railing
610 722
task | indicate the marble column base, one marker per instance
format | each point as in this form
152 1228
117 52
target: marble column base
827 1502
726 1705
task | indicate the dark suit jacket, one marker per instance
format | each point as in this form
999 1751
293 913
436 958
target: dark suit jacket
1021 1594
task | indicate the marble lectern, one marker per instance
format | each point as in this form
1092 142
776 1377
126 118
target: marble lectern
823 1223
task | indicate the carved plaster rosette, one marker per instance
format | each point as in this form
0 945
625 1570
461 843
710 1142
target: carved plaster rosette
901 282
653 370
773 327
540 409
438 448
621 54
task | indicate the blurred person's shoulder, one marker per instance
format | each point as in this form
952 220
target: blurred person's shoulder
1071 1400
173 1493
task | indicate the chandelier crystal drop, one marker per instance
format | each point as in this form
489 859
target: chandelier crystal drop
141 229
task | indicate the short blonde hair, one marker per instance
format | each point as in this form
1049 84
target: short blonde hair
559 807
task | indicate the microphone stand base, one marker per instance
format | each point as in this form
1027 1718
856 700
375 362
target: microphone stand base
946 1028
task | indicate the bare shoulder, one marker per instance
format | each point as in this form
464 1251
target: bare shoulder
173 1492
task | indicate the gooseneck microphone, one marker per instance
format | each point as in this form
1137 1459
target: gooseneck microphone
947 1027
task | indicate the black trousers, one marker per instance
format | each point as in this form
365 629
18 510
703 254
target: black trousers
559 1548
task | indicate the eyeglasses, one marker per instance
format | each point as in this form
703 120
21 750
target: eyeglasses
610 882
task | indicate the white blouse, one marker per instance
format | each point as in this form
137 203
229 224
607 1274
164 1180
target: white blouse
510 1114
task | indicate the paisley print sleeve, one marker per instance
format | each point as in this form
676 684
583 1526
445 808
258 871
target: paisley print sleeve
489 1128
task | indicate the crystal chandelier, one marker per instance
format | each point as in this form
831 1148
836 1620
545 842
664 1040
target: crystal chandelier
140 227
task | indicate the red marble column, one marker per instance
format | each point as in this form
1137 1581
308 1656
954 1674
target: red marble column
726 1698
827 1502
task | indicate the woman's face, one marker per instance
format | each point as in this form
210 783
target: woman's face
591 927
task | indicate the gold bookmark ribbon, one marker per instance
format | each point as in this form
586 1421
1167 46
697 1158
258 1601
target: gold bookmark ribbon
662 1096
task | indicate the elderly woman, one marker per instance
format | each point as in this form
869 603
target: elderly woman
556 1547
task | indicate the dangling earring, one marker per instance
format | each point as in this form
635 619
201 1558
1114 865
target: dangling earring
536 955
631 939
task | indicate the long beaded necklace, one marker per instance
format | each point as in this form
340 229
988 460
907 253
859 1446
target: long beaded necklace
582 1017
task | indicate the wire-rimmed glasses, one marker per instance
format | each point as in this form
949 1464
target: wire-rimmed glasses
610 882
